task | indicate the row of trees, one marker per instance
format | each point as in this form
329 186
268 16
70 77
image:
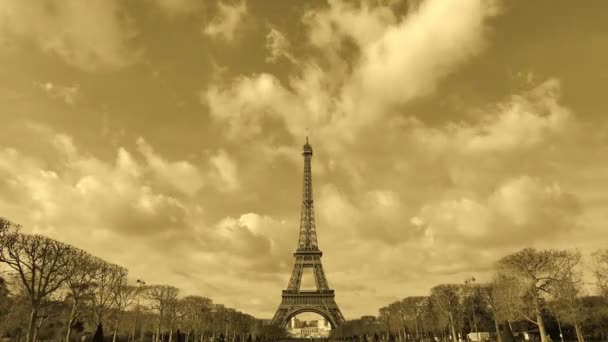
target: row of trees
54 289
536 291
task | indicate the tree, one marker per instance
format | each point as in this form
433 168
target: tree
6 227
195 310
106 284
43 265
507 299
5 305
601 271
385 316
412 309
534 273
567 303
79 284
124 296
14 308
596 316
174 313
447 299
490 296
161 298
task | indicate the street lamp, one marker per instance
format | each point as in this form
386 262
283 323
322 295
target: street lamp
469 283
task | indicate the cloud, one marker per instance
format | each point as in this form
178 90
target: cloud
128 214
261 239
64 29
363 24
180 175
474 153
277 46
341 99
519 211
179 7
225 171
68 94
350 218
83 190
409 59
522 122
246 102
227 21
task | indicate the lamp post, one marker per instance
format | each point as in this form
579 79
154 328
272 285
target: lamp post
469 283
140 284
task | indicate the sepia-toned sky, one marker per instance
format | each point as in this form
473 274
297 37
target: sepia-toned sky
165 136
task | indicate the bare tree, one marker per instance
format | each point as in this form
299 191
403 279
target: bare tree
8 232
174 312
161 298
196 309
535 272
385 316
490 295
5 305
447 299
123 298
6 226
412 309
79 284
43 266
567 302
507 299
601 271
106 284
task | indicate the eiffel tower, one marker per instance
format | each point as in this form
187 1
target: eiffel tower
308 255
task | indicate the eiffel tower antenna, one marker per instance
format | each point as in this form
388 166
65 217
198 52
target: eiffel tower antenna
308 255
307 134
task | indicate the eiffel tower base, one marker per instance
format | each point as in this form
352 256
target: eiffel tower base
319 302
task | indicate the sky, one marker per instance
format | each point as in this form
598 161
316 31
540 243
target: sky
166 136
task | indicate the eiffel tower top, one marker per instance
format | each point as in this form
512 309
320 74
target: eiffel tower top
307 241
307 149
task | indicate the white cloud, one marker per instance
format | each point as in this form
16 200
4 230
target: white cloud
363 23
521 122
226 171
181 175
179 7
63 28
410 58
123 212
246 102
398 61
520 211
68 94
277 46
227 21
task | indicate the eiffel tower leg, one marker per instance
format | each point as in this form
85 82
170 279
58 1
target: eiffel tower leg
296 276
320 276
279 317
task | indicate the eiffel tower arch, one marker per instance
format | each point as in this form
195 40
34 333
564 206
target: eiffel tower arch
308 255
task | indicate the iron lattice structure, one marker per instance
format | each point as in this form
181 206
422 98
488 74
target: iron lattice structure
308 255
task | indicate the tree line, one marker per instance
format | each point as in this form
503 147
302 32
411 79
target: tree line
533 294
50 290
